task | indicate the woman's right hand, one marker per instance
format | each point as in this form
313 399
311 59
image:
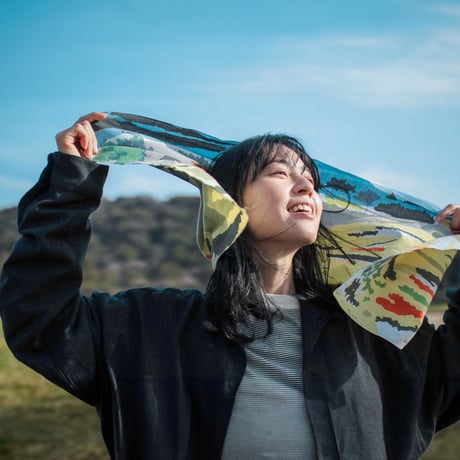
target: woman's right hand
452 210
79 140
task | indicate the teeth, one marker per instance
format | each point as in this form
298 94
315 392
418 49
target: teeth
301 208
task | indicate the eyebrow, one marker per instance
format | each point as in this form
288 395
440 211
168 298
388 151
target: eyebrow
288 162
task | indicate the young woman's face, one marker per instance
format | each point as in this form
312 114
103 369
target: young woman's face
283 207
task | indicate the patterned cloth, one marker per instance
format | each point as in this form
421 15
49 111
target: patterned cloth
394 254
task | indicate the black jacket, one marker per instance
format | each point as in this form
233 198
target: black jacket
163 380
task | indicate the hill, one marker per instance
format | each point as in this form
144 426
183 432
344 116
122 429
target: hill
141 241
135 242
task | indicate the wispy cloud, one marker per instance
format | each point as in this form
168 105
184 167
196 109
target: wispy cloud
448 9
14 185
382 174
406 182
376 71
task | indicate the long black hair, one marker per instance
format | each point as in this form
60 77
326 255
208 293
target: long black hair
235 290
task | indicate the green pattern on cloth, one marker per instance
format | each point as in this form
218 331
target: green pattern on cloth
394 254
131 139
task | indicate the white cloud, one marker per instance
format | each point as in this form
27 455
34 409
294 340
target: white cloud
381 174
326 43
402 181
376 71
14 185
449 9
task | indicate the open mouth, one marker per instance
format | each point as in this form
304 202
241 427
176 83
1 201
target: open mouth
303 207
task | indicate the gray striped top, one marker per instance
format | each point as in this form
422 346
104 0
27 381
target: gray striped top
269 418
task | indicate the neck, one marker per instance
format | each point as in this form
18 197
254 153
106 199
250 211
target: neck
277 275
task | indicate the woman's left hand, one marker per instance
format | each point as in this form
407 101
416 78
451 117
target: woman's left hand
454 211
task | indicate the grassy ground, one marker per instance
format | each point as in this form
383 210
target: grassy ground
39 421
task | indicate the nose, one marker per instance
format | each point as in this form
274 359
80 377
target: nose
303 185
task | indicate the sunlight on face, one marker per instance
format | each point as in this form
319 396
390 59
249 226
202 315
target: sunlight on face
283 206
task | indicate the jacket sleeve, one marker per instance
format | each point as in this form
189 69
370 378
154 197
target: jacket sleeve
445 359
47 323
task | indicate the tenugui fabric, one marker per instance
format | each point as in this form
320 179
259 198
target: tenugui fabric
394 254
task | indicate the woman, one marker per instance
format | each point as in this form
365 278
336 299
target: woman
262 365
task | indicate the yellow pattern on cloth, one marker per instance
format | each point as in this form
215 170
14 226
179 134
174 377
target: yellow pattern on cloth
220 220
392 266
388 291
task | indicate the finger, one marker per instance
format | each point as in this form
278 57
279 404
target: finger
455 223
67 141
92 117
83 139
88 141
446 212
90 145
94 143
453 211
80 139
74 140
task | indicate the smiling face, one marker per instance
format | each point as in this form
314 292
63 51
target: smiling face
283 205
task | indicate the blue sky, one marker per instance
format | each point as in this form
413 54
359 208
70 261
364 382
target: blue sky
372 87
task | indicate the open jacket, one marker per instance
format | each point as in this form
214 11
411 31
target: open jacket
163 380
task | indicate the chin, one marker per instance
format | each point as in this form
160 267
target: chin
305 242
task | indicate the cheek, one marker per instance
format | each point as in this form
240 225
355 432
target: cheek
319 209
253 197
257 212
257 208
319 206
247 196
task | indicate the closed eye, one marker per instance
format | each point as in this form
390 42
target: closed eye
310 179
281 172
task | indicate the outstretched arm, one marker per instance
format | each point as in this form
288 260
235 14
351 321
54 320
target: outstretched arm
47 323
